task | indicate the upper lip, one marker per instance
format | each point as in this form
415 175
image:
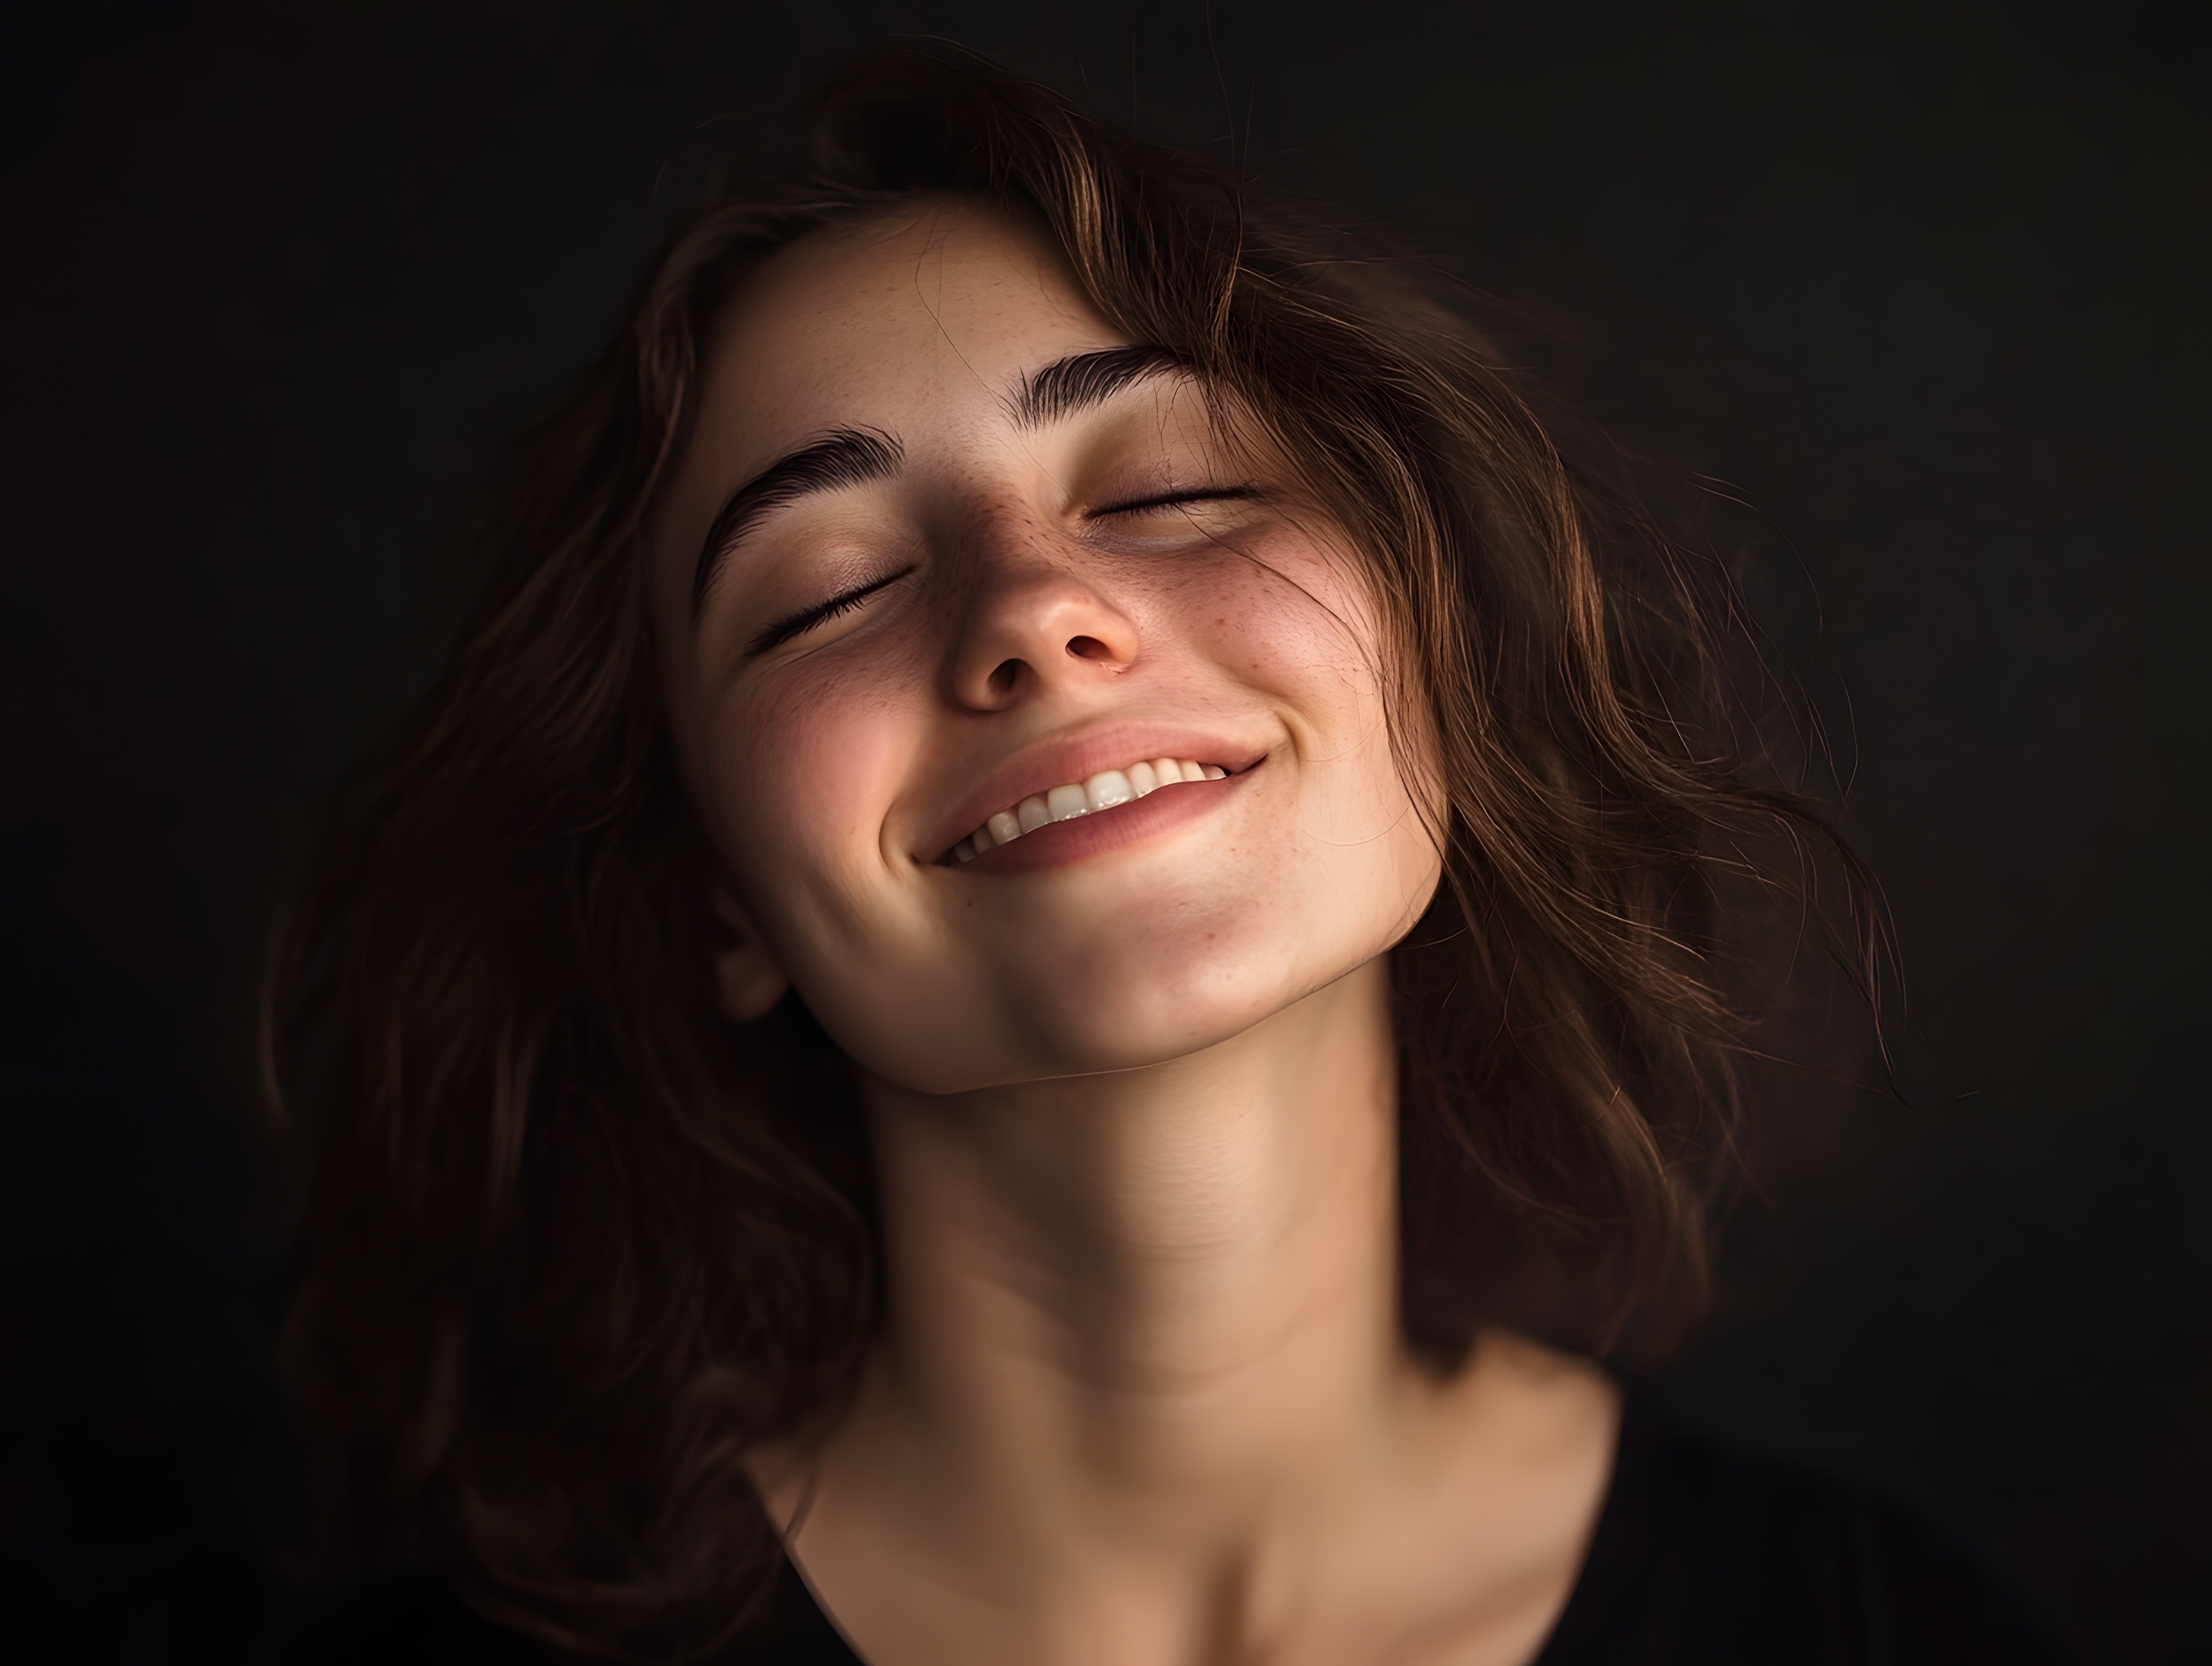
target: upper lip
1050 764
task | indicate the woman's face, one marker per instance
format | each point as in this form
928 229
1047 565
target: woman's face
957 558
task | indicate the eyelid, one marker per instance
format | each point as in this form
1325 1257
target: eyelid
1166 499
799 623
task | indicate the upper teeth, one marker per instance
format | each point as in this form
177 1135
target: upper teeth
1101 792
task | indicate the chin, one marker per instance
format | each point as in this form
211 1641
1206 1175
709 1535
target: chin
1108 1012
1153 1002
1053 1001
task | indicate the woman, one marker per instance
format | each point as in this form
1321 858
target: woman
1066 890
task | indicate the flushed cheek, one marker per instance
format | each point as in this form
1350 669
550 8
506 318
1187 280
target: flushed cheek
1353 846
1294 625
1278 606
801 777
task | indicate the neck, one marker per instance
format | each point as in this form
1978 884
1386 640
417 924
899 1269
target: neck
1155 1296
1141 1393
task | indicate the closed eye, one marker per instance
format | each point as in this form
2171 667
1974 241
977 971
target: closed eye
799 623
1174 500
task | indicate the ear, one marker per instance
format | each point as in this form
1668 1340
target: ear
746 974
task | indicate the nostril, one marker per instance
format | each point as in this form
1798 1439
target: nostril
1003 675
1088 648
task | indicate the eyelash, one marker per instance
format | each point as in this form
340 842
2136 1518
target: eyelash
821 612
1168 499
798 624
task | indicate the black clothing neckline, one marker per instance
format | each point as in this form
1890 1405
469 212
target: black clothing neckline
1703 1556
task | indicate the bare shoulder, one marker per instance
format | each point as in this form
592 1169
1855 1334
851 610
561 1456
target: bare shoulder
1518 1408
1525 1437
1511 1376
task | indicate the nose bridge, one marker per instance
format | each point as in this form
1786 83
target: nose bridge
1003 538
1033 613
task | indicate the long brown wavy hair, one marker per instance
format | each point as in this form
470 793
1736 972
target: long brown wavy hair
575 1242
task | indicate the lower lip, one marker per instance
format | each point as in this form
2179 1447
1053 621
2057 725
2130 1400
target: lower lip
1079 837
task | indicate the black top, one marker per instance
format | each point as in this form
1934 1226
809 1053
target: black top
1703 1557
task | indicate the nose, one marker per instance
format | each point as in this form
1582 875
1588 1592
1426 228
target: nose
1036 621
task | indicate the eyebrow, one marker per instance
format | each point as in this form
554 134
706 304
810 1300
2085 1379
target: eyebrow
843 457
1083 379
851 456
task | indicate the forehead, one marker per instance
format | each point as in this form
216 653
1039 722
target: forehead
914 320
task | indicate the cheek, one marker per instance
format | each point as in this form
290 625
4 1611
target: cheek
1296 624
1286 613
1307 634
801 774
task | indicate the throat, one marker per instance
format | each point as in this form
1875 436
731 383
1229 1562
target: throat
1165 1278
1141 1392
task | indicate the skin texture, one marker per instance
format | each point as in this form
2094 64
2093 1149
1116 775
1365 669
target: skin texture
1141 1395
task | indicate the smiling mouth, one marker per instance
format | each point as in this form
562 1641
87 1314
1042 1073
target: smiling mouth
1106 790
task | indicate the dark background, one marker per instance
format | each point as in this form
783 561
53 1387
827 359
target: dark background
1927 287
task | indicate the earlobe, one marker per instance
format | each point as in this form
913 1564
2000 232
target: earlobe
746 974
